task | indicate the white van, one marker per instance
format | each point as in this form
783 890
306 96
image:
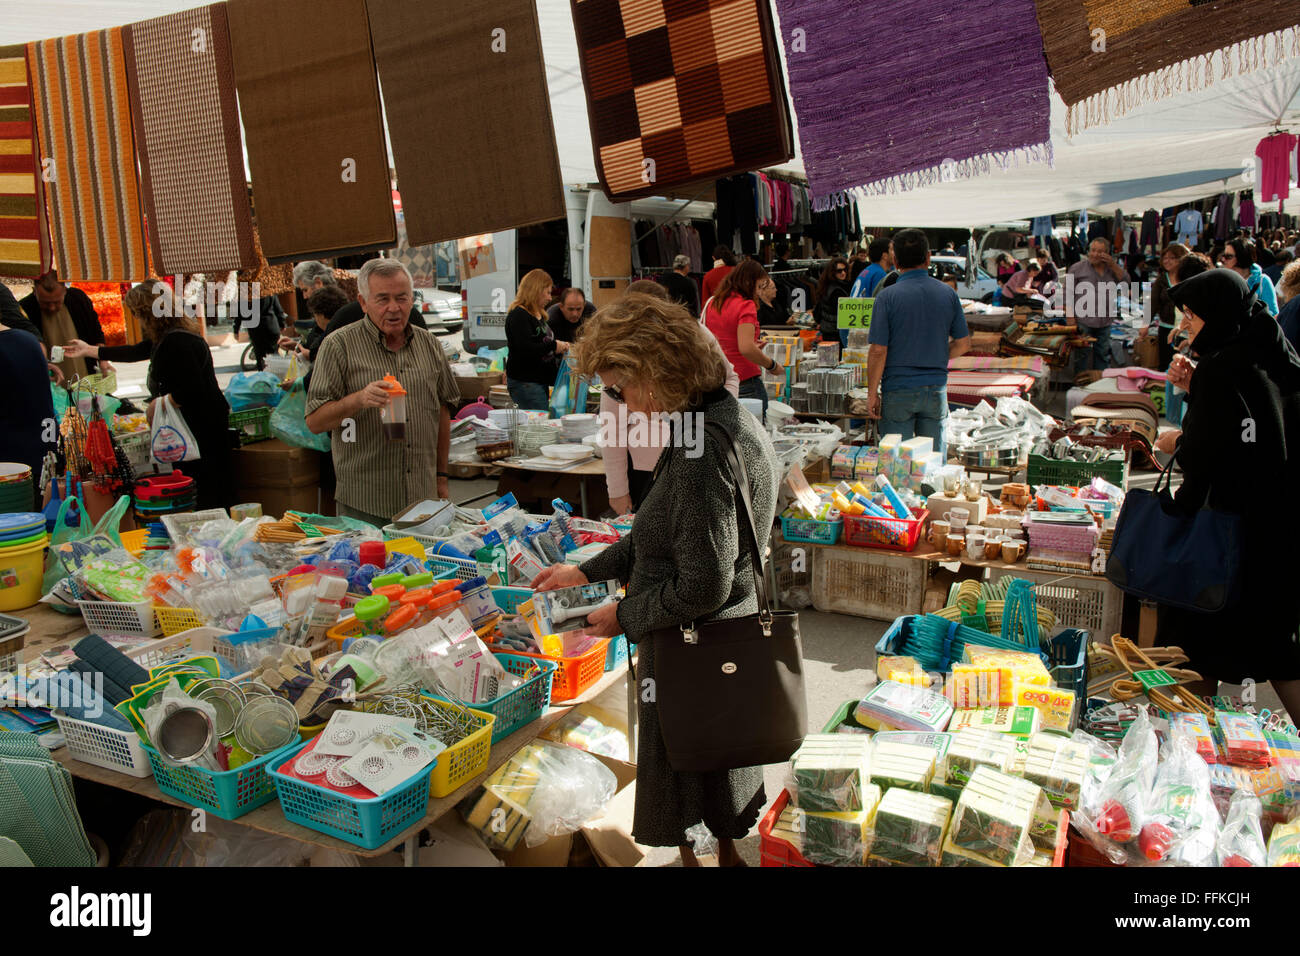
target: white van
590 249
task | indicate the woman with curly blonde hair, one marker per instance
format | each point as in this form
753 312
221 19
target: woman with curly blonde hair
686 558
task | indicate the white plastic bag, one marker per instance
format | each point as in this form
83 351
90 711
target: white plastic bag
170 439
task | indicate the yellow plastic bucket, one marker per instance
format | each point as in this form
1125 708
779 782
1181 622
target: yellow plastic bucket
22 571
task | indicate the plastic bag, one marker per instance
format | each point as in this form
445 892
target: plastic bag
1241 840
254 390
289 421
574 788
171 440
63 533
1115 816
1181 808
1284 844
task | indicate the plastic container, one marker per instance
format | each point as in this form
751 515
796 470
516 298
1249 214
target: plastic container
1049 471
370 614
366 823
22 572
107 747
508 599
229 794
462 761
810 531
374 553
174 620
885 534
575 674
123 620
394 592
393 415
525 703
253 424
773 851
616 656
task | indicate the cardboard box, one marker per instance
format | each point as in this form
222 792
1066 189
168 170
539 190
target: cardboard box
276 501
273 464
479 386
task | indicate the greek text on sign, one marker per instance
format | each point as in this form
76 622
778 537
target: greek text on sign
855 313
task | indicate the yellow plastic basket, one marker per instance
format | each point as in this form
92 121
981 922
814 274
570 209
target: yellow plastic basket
407 545
134 541
174 620
461 762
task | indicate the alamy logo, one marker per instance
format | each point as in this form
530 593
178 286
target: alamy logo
75 909
85 696
242 299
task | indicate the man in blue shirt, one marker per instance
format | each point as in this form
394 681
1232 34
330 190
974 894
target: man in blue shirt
880 255
917 325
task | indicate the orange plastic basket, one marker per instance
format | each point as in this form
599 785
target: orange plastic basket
576 674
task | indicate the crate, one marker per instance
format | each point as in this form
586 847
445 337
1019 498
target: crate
867 583
197 641
522 705
107 747
367 823
253 424
123 620
576 674
462 761
173 620
775 851
810 530
1049 471
1083 853
11 650
1088 602
886 534
228 794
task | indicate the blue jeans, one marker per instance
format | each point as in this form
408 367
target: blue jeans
1100 357
753 388
913 412
529 395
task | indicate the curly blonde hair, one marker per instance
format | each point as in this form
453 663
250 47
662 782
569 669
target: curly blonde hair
159 309
655 342
1288 286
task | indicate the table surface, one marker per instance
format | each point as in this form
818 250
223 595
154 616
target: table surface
587 469
925 552
49 627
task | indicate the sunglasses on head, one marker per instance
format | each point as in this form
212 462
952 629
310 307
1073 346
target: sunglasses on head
616 393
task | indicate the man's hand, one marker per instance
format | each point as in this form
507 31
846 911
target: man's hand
621 505
106 367
873 405
603 622
56 373
442 489
1143 334
374 395
1168 442
559 576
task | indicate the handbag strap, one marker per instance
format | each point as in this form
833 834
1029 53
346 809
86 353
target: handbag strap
744 511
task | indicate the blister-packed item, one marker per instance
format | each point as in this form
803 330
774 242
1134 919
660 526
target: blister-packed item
1284 844
1241 838
1055 705
1021 721
1119 812
829 772
972 749
974 685
1015 666
910 829
994 817
1058 765
1240 739
895 764
902 670
1198 725
894 706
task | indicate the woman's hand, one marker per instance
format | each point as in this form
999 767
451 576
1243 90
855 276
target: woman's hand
76 348
621 505
1180 371
561 347
1168 442
559 576
603 622
106 367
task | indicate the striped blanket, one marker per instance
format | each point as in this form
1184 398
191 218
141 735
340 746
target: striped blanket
83 123
24 234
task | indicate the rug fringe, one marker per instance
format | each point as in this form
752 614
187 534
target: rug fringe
970 168
1187 76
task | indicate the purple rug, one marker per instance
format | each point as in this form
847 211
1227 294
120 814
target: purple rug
907 93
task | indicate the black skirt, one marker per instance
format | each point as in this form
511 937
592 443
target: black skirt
1253 641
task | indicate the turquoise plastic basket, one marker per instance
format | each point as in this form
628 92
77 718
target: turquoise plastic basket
367 823
525 703
229 794
810 531
616 656
509 599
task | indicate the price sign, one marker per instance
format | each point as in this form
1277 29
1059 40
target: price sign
855 313
1154 678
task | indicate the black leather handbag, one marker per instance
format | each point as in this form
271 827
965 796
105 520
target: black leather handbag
730 693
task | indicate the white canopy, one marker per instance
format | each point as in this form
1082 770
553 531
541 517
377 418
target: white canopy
1168 152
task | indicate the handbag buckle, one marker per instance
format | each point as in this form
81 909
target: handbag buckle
689 634
765 618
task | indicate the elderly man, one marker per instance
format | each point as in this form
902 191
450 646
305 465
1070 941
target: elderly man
1092 298
310 276
379 476
681 287
59 315
566 316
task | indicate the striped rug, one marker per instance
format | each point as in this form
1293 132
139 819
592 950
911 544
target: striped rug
83 122
182 87
24 237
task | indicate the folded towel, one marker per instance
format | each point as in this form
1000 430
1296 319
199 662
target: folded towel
93 649
114 692
79 699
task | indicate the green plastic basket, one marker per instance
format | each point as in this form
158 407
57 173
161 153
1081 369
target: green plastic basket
1049 471
843 716
253 424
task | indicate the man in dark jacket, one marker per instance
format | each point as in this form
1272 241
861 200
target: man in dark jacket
56 314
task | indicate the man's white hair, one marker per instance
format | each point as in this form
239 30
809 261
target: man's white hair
380 267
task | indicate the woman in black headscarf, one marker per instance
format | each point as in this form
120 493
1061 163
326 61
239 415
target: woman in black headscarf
1240 447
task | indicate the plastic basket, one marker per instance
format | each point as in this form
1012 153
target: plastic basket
134 541
1049 471
1088 602
173 620
107 747
810 530
123 620
509 598
867 583
466 569
842 716
886 534
197 641
228 794
774 851
462 762
366 823
522 705
617 654
576 674
253 424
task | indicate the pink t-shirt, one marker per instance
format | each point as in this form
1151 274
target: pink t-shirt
724 323
1275 177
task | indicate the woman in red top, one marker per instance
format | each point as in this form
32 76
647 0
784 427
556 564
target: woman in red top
723 262
732 317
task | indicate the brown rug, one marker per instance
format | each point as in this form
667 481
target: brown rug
490 163
681 92
1108 57
182 87
309 100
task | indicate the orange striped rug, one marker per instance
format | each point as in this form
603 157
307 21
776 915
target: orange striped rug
24 237
83 123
